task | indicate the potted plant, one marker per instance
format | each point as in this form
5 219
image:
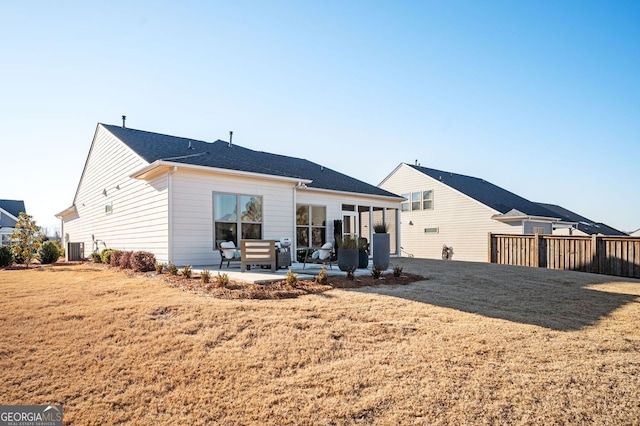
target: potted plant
381 245
363 253
348 254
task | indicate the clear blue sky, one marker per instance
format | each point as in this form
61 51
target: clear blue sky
539 97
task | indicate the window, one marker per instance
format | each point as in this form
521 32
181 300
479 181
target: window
538 230
311 225
108 208
416 200
237 215
427 200
404 206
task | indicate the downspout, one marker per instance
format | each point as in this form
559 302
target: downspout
170 213
294 246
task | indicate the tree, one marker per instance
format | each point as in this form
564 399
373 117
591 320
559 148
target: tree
27 238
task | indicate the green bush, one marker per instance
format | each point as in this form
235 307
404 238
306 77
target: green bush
322 277
106 256
48 252
292 279
6 256
222 280
397 271
172 269
95 257
186 271
376 272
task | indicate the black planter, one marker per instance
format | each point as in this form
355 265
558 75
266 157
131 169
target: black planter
381 250
363 259
347 259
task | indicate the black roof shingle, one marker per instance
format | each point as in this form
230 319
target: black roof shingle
220 154
585 225
487 193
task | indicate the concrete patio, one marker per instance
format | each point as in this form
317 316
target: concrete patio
265 276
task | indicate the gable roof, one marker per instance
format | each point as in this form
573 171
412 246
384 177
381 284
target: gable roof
13 207
487 193
585 225
223 155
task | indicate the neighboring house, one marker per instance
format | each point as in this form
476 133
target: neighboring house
580 225
458 211
177 197
9 212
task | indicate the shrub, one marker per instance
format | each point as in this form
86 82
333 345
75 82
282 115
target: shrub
351 274
322 277
95 257
159 268
381 228
125 260
106 255
376 272
115 258
292 279
222 280
205 276
397 271
186 271
48 252
172 269
142 261
6 256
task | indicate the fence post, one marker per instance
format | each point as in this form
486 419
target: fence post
490 251
595 255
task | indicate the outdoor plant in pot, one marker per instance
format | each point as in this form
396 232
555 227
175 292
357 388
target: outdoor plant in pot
381 245
363 253
348 254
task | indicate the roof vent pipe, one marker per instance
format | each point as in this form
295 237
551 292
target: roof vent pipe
124 118
230 136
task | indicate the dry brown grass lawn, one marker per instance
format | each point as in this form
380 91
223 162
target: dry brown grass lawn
473 344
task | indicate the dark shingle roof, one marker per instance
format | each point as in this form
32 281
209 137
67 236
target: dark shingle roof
154 146
12 206
487 193
585 225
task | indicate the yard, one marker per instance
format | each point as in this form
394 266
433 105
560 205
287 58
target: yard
472 344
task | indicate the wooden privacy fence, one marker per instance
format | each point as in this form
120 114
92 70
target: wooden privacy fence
601 255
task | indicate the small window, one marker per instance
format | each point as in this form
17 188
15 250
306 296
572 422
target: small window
404 206
108 208
538 230
427 200
416 200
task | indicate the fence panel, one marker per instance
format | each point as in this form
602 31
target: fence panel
618 256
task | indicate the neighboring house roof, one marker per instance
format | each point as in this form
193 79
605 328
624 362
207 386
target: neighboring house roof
507 203
223 155
585 225
12 208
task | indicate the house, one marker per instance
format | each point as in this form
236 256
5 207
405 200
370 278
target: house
176 197
9 212
459 211
580 225
635 233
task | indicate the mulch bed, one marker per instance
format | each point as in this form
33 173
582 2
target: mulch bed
280 289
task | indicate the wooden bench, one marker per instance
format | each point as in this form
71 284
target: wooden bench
258 252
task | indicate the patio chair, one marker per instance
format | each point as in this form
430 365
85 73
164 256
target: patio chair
228 252
325 255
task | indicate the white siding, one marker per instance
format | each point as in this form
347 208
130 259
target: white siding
192 207
139 220
463 223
